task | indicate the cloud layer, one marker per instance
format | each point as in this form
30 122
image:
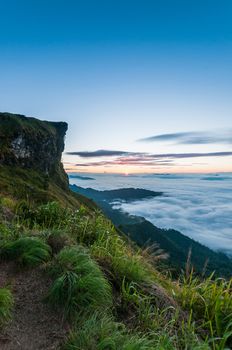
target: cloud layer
192 138
98 153
199 206
139 159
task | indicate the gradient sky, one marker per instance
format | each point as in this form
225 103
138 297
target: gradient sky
152 79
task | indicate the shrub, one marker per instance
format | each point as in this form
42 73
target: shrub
6 304
26 251
51 215
80 285
57 240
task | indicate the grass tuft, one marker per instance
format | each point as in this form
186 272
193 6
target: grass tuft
6 305
80 286
100 332
26 251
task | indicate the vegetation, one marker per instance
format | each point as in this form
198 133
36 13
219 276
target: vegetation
80 284
26 251
113 294
6 304
209 301
110 290
144 232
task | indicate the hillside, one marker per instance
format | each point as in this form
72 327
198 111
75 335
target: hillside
144 232
69 280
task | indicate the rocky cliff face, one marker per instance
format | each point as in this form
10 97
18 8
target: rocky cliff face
33 144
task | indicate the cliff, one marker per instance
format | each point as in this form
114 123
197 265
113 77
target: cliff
33 144
30 161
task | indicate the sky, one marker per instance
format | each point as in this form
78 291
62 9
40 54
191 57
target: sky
145 86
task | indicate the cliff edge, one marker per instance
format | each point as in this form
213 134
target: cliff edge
33 144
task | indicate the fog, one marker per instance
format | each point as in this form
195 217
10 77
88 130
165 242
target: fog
199 206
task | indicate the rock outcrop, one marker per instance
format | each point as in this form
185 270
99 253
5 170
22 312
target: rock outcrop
33 144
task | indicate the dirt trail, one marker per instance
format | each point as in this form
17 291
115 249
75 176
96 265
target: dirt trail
34 325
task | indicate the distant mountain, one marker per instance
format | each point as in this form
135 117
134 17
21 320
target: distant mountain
125 194
79 177
143 232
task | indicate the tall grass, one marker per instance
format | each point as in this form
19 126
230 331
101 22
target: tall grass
209 301
80 286
6 305
84 294
100 332
27 251
125 262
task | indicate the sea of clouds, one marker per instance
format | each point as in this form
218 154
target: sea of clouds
199 206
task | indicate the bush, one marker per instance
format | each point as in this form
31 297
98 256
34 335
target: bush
26 251
80 285
51 215
6 304
57 240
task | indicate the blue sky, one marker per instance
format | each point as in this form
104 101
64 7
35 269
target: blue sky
121 71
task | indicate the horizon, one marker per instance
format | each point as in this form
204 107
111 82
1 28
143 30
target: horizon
144 86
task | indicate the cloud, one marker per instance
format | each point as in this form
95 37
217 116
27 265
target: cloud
192 155
99 153
129 161
187 206
196 137
143 159
192 204
165 137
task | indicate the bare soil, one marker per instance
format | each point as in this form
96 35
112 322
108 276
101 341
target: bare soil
34 325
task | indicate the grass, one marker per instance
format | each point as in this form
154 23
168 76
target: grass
100 332
103 284
124 261
6 305
80 285
209 301
27 251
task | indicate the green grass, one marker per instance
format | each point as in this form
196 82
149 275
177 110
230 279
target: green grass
102 284
6 305
27 251
100 332
80 286
209 301
124 261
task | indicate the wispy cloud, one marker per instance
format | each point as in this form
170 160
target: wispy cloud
192 155
99 153
196 137
146 159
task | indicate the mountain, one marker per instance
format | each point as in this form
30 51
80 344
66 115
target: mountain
125 194
71 280
30 160
145 233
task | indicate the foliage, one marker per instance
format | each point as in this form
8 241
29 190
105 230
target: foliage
27 251
209 301
100 332
108 318
125 262
80 285
6 304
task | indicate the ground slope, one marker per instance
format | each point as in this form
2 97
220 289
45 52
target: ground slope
34 325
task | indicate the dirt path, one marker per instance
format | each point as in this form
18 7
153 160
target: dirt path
34 325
